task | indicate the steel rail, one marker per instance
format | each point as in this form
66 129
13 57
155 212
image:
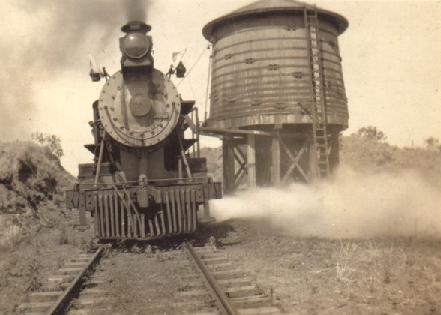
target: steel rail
222 300
63 301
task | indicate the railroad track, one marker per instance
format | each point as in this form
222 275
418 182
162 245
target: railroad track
232 292
214 287
64 285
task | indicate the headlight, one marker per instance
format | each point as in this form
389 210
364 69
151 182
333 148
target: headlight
136 45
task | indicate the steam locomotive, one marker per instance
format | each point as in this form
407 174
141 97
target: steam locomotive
147 180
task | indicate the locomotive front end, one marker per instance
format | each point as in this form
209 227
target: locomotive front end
147 180
138 106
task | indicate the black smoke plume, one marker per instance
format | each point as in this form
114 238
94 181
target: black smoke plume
136 10
54 45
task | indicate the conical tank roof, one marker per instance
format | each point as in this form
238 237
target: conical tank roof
264 7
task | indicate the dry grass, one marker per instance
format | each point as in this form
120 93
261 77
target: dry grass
319 276
27 260
344 258
10 233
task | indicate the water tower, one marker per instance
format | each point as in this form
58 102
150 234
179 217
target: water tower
278 98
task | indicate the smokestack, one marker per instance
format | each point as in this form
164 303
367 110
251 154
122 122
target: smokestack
136 10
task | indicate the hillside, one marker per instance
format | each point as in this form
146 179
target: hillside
364 155
32 181
36 233
29 176
368 155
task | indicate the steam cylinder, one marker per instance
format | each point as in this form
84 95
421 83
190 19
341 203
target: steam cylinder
261 73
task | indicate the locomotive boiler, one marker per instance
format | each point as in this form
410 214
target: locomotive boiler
147 179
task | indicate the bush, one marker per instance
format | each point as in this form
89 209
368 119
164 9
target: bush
432 144
52 142
371 133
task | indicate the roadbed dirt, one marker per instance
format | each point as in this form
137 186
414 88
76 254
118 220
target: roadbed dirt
26 267
145 283
320 276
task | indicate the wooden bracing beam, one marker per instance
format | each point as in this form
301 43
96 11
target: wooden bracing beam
295 159
241 159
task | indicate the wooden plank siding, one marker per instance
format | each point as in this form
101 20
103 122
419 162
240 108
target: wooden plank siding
261 68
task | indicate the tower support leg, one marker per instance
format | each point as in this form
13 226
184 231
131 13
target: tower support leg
275 161
228 164
251 159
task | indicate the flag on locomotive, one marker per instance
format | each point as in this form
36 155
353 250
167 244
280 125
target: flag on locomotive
147 180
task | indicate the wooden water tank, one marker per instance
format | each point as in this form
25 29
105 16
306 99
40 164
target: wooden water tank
261 73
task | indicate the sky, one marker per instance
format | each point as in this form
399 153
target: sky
391 63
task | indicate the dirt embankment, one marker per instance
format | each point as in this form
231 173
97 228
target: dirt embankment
32 181
29 175
36 233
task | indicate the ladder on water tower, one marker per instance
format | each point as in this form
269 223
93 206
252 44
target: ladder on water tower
319 113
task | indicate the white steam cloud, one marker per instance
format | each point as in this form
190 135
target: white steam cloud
351 205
